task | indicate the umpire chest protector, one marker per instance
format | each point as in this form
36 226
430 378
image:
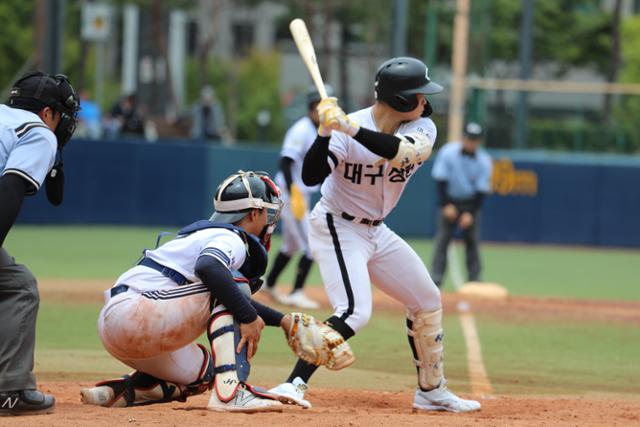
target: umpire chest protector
255 264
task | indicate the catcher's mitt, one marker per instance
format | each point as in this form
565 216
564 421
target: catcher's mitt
318 343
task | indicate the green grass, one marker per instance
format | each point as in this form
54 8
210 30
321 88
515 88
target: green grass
106 252
523 356
68 347
560 358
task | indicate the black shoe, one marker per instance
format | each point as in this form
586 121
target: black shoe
25 402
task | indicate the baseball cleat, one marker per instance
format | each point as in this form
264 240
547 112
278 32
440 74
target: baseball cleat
292 393
26 402
274 295
442 399
244 401
300 300
101 395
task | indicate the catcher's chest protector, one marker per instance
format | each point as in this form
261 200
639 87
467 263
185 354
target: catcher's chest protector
256 263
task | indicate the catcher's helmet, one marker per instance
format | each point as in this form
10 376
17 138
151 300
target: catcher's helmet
244 191
313 95
399 80
37 90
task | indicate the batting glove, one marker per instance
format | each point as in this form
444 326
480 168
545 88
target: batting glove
333 117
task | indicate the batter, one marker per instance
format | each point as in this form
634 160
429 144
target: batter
366 159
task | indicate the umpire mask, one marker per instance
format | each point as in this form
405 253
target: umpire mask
37 90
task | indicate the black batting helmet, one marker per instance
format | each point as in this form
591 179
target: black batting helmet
36 90
244 191
399 80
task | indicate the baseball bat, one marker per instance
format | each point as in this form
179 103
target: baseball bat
303 41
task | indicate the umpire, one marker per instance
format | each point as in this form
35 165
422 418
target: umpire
462 171
37 122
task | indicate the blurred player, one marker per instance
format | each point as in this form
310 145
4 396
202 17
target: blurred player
365 164
200 281
463 173
296 197
34 127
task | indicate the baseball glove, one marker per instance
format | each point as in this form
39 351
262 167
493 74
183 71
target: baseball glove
317 343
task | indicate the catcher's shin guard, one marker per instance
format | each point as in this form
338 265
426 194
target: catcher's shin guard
230 368
425 338
139 388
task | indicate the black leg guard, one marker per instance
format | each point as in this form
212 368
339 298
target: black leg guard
304 266
279 264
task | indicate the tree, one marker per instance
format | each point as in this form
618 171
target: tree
16 38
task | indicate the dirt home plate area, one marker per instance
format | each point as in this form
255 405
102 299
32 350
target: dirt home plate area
362 407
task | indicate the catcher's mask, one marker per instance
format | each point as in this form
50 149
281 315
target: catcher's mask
36 90
244 191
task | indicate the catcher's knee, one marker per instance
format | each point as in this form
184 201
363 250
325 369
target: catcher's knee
426 340
205 376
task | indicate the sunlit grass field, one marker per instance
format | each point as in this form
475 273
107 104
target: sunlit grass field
525 356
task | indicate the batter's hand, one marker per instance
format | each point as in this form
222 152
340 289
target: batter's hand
297 202
466 220
250 333
332 117
450 212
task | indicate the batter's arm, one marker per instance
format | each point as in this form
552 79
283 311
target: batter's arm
382 144
12 191
315 167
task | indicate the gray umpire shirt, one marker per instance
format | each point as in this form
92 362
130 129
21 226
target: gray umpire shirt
27 146
465 175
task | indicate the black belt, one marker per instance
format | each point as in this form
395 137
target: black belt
165 271
118 290
365 221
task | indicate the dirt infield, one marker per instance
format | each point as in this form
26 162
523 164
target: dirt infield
340 408
344 407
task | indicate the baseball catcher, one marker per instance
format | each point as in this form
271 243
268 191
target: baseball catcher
202 281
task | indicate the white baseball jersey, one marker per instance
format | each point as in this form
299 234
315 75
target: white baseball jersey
352 254
356 184
27 146
296 143
181 254
153 325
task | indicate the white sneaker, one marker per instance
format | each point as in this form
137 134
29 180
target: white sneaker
244 401
292 393
274 295
300 300
441 399
100 396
